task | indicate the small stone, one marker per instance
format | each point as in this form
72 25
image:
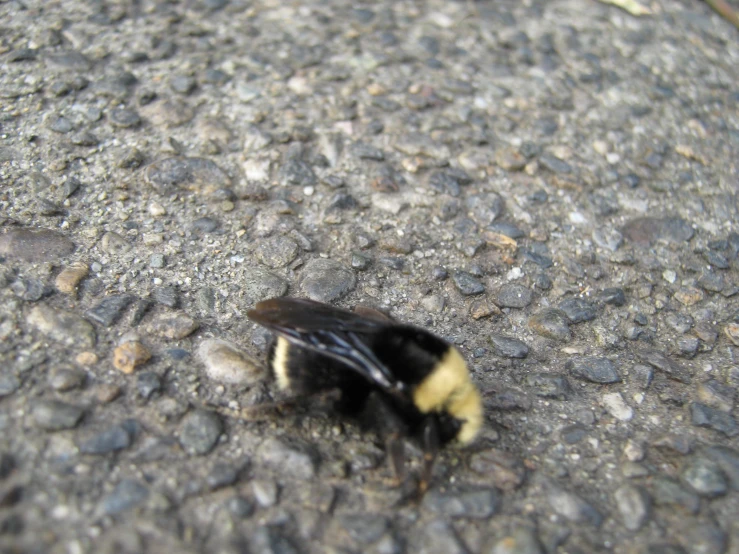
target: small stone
595 370
634 451
732 332
689 295
66 378
679 322
30 290
510 159
364 529
555 165
475 504
509 347
65 327
114 244
663 363
277 251
86 358
171 175
8 384
265 492
704 477
182 84
61 125
514 296
259 284
578 309
296 173
433 303
573 508
124 117
107 392
222 475
110 440
172 325
110 309
54 415
199 432
617 407
437 537
294 462
35 245
126 495
646 230
608 238
68 279
552 324
147 384
634 506
239 507
270 540
549 385
521 540
504 470
129 355
166 296
326 280
226 363
467 284
728 460
484 208
705 416
717 395
572 434
668 492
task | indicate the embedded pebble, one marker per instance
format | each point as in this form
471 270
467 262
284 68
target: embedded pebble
594 369
613 296
55 415
326 280
549 385
124 117
110 309
578 309
727 459
475 504
666 491
633 504
265 492
646 230
573 508
259 284
617 406
172 325
199 432
504 470
467 284
608 238
294 462
716 395
147 384
689 295
35 245
509 347
514 296
437 537
127 494
8 384
226 363
222 475
129 355
117 437
364 529
62 326
552 324
166 296
66 378
30 290
732 332
70 277
170 175
484 208
296 173
705 416
521 540
659 361
704 477
277 251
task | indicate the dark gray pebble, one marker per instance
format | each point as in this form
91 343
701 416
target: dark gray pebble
507 229
199 432
666 491
553 164
342 201
66 378
613 296
205 224
326 280
439 273
688 346
711 281
572 434
139 311
704 477
8 384
148 383
437 537
549 385
7 465
578 309
271 540
240 507
124 117
594 369
514 296
663 548
54 415
551 323
542 281
259 284
110 309
659 361
30 290
171 175
61 125
296 173
367 152
292 461
705 416
360 261
573 508
474 504
646 230
277 251
363 528
114 438
167 296
484 208
467 284
126 495
539 259
509 347
35 245
222 475
728 460
182 84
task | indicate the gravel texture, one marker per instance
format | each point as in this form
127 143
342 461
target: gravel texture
551 185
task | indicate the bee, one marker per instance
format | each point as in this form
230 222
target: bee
397 379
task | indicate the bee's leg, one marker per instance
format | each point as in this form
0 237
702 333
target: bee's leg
430 446
396 453
379 414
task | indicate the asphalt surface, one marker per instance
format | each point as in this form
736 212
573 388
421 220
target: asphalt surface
550 185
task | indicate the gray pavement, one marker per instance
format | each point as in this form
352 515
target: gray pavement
551 185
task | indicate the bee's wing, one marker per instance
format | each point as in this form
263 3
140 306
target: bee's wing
333 332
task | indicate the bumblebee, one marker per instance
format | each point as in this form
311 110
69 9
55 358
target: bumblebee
397 379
